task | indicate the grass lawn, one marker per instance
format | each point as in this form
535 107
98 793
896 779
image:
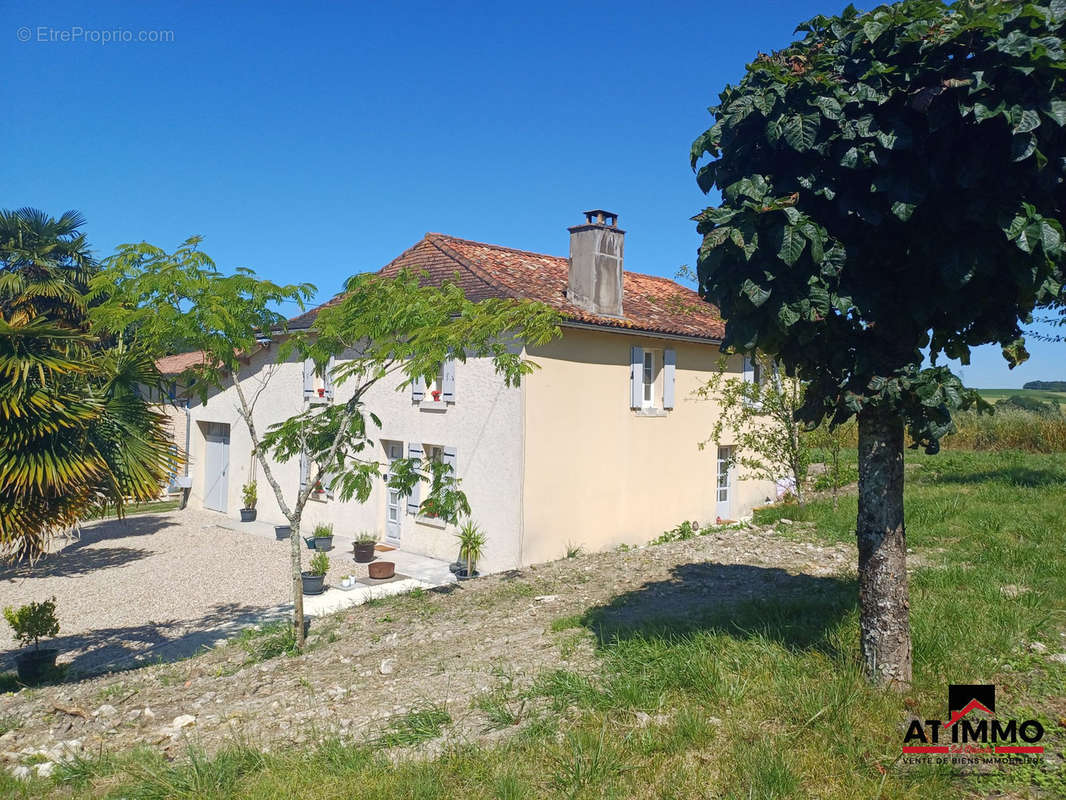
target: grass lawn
762 701
992 395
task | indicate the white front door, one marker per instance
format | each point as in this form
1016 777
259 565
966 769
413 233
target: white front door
393 515
724 488
216 465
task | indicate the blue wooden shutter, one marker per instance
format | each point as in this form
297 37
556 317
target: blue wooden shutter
669 368
451 458
448 382
636 377
309 379
327 377
418 389
414 451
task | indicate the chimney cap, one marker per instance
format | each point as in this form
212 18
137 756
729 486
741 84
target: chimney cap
598 216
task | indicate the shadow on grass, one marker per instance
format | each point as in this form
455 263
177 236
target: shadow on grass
738 600
1024 477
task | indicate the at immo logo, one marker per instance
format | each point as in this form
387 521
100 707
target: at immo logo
964 727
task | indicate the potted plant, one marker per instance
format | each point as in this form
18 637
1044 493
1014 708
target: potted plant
248 492
364 547
436 395
471 548
321 391
346 581
31 622
323 536
315 576
282 531
381 570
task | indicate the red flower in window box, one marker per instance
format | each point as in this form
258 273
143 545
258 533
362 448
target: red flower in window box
436 395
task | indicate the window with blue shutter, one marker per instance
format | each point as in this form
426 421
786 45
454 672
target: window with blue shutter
309 379
418 389
414 500
448 381
636 377
327 377
669 368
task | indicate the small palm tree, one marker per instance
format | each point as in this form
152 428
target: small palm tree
76 433
471 545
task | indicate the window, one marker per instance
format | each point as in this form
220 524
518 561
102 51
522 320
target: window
652 362
436 388
725 461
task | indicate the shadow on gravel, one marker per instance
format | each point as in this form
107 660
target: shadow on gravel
112 649
77 558
737 600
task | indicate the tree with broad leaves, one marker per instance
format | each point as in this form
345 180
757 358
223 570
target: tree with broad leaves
891 183
381 329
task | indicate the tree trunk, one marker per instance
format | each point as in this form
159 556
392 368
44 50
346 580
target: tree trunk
295 542
884 607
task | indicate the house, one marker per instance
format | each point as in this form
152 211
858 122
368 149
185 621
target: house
598 447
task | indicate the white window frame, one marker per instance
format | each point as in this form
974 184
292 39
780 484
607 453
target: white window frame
431 453
651 391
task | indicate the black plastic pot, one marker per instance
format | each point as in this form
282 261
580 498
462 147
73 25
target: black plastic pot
35 665
324 543
364 552
313 584
461 574
282 532
247 515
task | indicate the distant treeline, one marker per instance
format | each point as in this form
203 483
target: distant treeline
1047 386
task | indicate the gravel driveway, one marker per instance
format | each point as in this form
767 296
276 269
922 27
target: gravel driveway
149 587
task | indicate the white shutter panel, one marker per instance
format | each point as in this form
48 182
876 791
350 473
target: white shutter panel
636 377
309 379
418 389
327 377
451 458
414 451
304 471
749 370
669 364
448 387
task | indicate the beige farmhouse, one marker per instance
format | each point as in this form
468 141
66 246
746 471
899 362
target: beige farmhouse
598 447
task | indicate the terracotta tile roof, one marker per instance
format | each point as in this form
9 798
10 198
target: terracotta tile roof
649 303
177 364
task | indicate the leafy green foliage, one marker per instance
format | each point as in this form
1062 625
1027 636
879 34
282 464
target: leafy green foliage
249 494
471 545
890 183
319 564
323 529
76 434
33 621
759 418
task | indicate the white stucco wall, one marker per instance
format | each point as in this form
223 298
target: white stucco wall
484 425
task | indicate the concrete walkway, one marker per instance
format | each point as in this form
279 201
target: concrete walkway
412 571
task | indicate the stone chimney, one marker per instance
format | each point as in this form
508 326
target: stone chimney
596 264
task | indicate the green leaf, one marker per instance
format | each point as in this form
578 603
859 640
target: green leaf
792 244
1022 146
755 293
830 108
850 159
1028 121
801 130
1056 109
903 211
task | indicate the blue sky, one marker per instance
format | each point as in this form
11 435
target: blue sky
311 141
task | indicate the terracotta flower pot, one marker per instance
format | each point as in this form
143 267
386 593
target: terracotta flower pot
380 570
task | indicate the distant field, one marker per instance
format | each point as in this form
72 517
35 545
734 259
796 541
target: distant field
992 395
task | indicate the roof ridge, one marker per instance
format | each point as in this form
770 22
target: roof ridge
435 237
479 273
